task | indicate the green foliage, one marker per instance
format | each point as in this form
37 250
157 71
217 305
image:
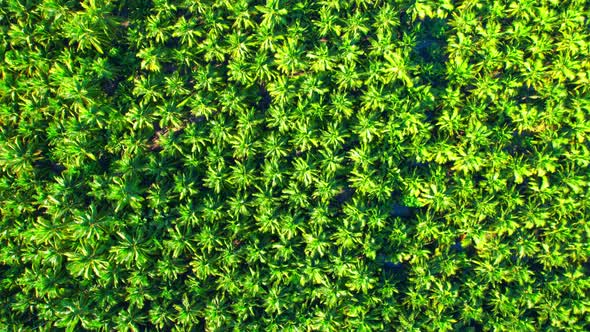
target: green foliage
294 165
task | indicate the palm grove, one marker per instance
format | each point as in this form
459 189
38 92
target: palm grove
294 165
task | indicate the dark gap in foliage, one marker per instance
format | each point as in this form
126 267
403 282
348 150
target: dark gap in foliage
265 98
417 164
468 250
169 68
521 143
342 197
525 92
457 246
431 247
110 87
398 210
47 164
396 273
430 51
472 326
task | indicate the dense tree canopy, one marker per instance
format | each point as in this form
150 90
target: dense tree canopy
248 165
